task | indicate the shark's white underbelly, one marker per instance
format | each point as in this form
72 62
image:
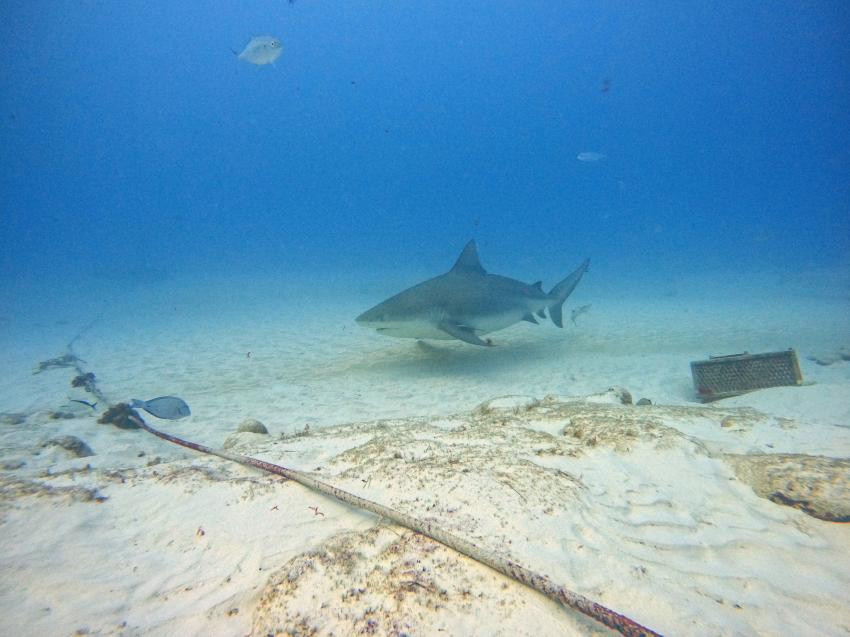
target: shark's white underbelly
414 330
426 327
493 322
429 328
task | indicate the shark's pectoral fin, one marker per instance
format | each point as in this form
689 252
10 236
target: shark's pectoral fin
530 318
463 333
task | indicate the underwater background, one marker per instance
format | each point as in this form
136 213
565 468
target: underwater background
177 221
136 146
137 151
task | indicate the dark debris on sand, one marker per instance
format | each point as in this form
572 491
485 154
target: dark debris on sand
86 381
119 415
66 360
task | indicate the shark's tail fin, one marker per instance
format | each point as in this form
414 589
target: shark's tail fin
561 291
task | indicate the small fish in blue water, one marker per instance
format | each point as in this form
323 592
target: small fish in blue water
263 49
591 157
85 402
578 312
165 407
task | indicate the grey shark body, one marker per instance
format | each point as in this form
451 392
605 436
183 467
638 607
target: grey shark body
467 303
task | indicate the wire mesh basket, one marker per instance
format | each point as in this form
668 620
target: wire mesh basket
724 376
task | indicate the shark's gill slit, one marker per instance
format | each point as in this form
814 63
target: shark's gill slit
538 582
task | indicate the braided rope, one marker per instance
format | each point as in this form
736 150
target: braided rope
538 582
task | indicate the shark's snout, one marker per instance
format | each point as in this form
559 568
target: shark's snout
370 318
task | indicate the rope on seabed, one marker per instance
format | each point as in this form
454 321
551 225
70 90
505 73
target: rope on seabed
540 583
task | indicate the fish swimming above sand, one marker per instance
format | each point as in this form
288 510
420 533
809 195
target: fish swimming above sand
263 49
84 402
165 407
467 302
590 157
582 309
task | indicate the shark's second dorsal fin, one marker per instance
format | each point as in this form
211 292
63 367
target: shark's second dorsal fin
468 261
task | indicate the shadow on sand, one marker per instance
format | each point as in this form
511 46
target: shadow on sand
417 359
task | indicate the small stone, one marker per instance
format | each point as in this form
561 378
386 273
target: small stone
825 360
612 396
830 358
515 403
729 421
304 432
12 418
623 394
253 426
11 465
61 415
72 445
643 402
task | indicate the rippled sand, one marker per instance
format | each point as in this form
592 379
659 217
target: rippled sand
691 519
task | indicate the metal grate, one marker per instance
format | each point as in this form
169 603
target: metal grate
724 376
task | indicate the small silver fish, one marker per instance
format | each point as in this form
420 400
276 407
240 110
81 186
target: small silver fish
85 402
578 312
591 157
165 407
263 49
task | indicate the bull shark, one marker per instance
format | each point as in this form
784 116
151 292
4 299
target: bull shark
467 302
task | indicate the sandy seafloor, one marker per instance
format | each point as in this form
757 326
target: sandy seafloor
661 513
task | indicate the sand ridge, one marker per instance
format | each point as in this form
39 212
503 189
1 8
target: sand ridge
613 500
678 514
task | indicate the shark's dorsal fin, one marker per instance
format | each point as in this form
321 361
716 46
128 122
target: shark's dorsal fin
468 261
538 285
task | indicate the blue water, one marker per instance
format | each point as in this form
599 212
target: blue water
135 146
207 228
182 208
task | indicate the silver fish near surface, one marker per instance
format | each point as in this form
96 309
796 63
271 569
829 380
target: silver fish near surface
590 157
468 302
165 407
263 49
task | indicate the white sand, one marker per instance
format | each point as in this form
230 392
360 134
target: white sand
637 508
